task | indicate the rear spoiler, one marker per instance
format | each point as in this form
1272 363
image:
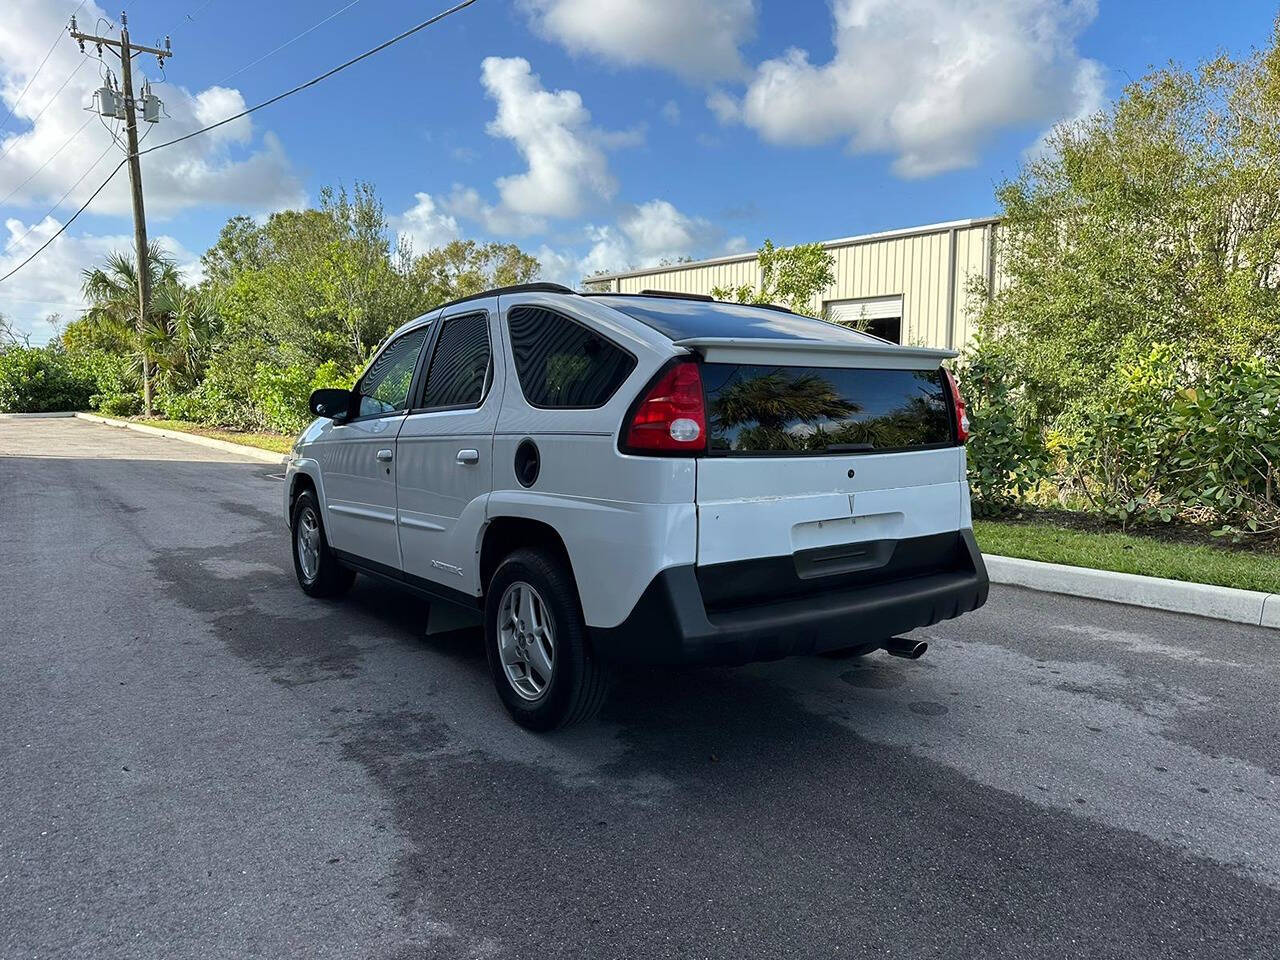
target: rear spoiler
874 354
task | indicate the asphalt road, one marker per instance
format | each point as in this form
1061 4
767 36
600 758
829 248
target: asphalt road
198 761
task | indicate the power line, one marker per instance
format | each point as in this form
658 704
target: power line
70 220
48 104
314 80
266 103
272 53
47 162
40 220
32 78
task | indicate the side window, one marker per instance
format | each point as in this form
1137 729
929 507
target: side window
384 388
561 363
460 362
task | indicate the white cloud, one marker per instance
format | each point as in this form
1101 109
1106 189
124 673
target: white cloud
925 80
658 231
568 168
51 282
498 219
670 112
425 225
644 235
696 39
725 107
222 166
1090 93
567 164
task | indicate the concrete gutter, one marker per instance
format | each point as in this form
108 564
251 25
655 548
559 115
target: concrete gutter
266 456
1156 593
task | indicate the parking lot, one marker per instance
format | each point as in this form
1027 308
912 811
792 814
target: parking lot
199 761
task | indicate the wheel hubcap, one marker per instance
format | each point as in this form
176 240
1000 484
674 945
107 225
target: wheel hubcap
307 539
526 641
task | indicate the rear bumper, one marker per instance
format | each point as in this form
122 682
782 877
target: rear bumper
671 623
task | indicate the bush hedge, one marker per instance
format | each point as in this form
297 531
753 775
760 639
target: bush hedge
41 380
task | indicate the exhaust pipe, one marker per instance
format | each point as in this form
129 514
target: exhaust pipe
907 649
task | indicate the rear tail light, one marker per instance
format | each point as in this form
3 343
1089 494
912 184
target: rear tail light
671 417
957 403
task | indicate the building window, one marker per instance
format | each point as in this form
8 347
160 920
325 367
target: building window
878 316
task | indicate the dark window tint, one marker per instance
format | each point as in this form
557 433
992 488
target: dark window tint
682 319
768 409
459 363
561 363
886 328
384 388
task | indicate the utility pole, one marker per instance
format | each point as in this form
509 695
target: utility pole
124 107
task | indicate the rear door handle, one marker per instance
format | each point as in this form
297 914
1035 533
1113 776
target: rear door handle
468 456
384 456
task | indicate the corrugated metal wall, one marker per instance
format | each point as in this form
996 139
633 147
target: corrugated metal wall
917 266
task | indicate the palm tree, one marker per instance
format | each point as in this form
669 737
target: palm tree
112 291
772 402
180 333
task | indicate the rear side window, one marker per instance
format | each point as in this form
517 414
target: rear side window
561 363
756 409
460 362
384 388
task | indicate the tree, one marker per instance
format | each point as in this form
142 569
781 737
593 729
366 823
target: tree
9 335
112 292
464 267
1157 221
789 276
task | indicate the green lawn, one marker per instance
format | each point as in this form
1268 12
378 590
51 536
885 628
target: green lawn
275 442
1125 553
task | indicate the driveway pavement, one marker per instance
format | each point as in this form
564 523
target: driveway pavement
199 761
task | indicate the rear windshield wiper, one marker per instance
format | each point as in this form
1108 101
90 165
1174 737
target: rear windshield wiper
849 447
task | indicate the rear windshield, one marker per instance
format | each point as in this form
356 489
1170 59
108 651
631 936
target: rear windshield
683 319
756 409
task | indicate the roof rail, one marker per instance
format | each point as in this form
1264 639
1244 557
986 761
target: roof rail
679 296
537 287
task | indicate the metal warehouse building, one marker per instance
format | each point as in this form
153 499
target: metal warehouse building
911 286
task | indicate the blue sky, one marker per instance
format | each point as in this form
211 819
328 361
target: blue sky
598 134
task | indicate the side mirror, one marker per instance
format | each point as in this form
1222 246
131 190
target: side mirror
331 403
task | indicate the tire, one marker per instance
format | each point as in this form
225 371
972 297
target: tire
329 578
578 684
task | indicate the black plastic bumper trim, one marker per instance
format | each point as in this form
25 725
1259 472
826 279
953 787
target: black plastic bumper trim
670 623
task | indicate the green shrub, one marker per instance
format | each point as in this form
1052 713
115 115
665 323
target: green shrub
280 394
40 380
1007 456
117 404
115 378
1181 441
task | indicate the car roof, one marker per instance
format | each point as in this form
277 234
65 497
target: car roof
684 318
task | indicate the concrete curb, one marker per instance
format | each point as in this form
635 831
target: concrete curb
1200 599
35 416
266 456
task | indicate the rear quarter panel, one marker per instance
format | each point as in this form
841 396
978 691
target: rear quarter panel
622 518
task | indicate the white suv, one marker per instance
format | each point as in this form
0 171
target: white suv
641 478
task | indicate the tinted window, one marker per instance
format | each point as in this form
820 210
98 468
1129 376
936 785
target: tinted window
561 363
768 409
459 371
681 319
886 328
384 388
